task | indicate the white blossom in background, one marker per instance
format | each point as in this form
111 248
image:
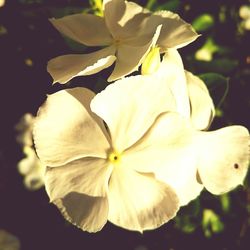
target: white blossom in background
149 158
32 169
244 13
24 128
2 2
30 166
128 33
8 241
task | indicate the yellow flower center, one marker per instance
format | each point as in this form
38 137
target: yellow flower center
114 157
117 42
152 61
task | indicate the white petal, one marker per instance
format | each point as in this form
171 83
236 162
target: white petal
138 201
127 64
88 176
64 68
84 28
172 72
175 33
66 129
130 106
202 106
86 212
224 158
123 18
167 151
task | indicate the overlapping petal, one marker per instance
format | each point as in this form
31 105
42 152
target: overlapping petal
224 158
88 176
138 201
175 33
202 106
87 29
64 68
88 213
123 18
66 129
167 150
129 58
172 74
130 106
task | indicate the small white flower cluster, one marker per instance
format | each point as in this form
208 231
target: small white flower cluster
30 166
136 152
244 13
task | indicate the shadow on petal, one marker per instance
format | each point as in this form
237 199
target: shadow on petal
86 212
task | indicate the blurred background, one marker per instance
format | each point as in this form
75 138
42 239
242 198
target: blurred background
221 57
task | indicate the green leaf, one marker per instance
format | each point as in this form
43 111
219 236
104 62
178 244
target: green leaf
150 5
171 5
205 53
211 223
213 79
222 66
203 22
185 224
96 6
218 86
225 202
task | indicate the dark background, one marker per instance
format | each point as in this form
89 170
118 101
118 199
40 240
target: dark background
26 36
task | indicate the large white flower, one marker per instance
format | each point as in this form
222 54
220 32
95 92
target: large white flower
146 160
127 31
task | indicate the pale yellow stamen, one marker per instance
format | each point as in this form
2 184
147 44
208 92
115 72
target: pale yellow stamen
114 157
152 62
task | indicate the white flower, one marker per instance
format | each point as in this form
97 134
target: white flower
2 2
32 169
244 13
146 160
24 128
30 166
127 30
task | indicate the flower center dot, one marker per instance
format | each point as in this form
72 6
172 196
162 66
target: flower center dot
114 157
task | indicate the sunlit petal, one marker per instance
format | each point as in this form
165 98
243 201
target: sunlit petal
86 212
64 68
138 201
123 18
175 33
130 106
66 129
84 28
224 158
202 107
172 72
113 12
167 151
